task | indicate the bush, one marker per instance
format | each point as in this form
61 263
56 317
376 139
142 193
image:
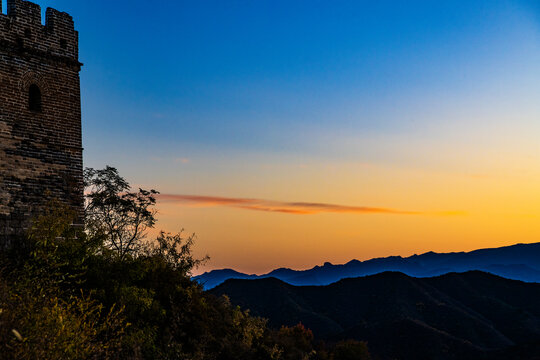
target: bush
38 324
351 350
69 294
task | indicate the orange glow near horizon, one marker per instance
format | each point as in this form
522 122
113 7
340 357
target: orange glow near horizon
355 131
494 210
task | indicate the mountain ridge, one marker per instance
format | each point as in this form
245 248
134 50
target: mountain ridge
519 262
470 315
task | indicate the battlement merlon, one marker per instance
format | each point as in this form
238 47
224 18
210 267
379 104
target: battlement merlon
25 11
22 27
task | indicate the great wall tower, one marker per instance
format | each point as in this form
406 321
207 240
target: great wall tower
40 115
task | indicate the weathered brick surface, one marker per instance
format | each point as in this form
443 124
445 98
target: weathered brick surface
40 151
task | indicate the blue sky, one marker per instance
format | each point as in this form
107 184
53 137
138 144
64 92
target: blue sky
251 75
408 105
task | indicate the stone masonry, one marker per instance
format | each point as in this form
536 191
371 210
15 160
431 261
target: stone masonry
40 115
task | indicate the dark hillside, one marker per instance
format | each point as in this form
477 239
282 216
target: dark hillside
454 316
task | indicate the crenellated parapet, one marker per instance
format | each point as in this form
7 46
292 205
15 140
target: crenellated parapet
40 116
21 30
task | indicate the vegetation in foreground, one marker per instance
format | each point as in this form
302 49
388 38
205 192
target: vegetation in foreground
108 293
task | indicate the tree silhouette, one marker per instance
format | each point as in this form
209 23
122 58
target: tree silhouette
115 214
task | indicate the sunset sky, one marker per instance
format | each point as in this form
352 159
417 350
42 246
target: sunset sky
290 133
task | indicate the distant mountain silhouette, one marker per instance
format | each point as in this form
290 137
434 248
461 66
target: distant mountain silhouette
472 315
518 262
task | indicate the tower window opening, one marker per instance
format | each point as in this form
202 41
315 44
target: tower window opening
34 98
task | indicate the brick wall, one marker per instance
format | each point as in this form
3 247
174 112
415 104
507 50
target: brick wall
40 150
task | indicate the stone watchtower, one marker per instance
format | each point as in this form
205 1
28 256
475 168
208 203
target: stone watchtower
40 115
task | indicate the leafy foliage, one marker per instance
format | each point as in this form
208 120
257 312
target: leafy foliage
296 342
44 312
351 350
118 216
40 325
175 250
105 293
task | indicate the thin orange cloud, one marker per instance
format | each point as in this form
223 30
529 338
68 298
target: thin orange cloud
297 208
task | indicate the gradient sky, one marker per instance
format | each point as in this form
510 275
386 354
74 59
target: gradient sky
290 133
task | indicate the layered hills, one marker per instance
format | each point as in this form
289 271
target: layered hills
518 262
471 315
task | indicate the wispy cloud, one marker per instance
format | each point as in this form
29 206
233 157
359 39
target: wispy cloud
298 208
182 160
